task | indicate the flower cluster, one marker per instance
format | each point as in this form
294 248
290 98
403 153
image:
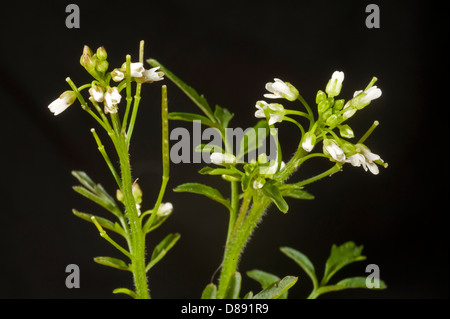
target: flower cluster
332 113
101 90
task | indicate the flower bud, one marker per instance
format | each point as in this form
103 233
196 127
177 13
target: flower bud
97 93
320 96
332 149
332 120
280 89
334 85
324 105
63 102
309 140
221 159
119 195
87 62
102 66
362 99
164 209
259 182
117 75
101 54
137 193
338 104
346 131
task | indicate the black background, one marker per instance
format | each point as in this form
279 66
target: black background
228 51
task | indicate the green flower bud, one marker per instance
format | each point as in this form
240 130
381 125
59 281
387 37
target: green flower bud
88 62
259 182
332 120
346 131
119 196
87 51
262 158
327 114
323 106
102 66
101 54
338 104
320 96
137 193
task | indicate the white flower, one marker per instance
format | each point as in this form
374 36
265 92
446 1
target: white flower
271 169
365 158
220 158
63 102
334 86
350 110
276 111
112 98
97 93
309 141
331 148
138 208
164 209
258 183
356 160
362 99
136 69
152 75
117 75
280 89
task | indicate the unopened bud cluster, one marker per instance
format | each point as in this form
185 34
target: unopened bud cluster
101 89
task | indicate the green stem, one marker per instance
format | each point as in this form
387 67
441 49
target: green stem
137 248
313 179
101 149
165 156
137 98
236 244
369 131
106 236
308 109
128 91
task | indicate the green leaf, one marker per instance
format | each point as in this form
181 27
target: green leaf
210 292
190 117
223 116
303 261
253 138
296 193
112 262
125 291
96 193
97 189
205 190
249 295
276 289
234 288
271 190
161 249
348 283
265 279
220 171
341 256
105 223
199 100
